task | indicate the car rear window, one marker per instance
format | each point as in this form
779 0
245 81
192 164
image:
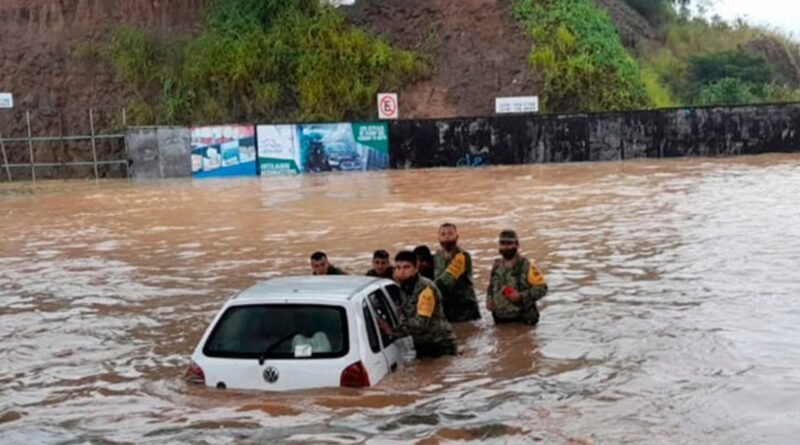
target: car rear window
280 331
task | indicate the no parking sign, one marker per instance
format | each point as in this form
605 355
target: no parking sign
387 106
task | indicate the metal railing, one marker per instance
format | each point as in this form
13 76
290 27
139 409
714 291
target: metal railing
92 139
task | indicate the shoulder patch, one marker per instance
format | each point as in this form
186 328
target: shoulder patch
535 277
426 303
458 265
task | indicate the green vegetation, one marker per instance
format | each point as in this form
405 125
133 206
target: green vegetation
273 60
712 62
657 11
258 60
579 55
737 64
727 91
694 61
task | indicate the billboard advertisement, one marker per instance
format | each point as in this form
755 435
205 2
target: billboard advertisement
278 152
227 150
316 148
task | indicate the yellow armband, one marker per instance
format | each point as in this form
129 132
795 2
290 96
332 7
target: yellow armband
535 277
426 303
457 266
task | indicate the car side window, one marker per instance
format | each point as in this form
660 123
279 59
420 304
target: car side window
385 314
372 332
396 294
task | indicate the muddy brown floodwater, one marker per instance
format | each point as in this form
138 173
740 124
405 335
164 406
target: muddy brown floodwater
673 315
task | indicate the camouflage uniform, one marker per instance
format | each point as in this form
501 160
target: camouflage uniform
526 278
454 278
333 270
425 320
388 274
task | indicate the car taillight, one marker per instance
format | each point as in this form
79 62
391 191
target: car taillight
355 376
195 374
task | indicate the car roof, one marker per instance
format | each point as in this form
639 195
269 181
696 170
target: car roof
322 287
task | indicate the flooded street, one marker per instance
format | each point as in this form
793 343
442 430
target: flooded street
672 315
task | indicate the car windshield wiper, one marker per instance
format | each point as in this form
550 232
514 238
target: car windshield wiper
274 346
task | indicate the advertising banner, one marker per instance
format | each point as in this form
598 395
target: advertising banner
228 150
315 148
278 150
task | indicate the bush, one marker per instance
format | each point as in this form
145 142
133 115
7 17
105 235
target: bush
780 93
739 64
259 60
659 94
699 61
727 91
578 52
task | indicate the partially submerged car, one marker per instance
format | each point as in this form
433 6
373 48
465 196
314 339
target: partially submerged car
304 332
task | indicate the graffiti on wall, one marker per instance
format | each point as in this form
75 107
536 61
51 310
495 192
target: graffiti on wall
534 139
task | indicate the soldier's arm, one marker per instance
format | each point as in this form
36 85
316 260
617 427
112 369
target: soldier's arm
427 301
450 275
417 323
490 289
533 286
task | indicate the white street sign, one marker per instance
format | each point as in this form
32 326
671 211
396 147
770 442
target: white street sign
6 100
519 104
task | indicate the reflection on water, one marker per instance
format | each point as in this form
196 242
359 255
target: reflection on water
672 316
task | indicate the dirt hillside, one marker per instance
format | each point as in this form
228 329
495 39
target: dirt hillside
477 47
37 36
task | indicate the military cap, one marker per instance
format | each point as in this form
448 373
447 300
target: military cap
508 235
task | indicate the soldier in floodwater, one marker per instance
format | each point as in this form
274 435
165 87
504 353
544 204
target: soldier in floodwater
422 307
321 266
381 265
453 272
515 284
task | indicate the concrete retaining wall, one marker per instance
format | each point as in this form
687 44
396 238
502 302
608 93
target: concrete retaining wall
164 152
159 152
720 131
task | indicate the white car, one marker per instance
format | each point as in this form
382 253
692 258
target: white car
304 332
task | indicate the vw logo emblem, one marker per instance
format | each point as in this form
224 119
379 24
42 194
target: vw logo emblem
270 374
